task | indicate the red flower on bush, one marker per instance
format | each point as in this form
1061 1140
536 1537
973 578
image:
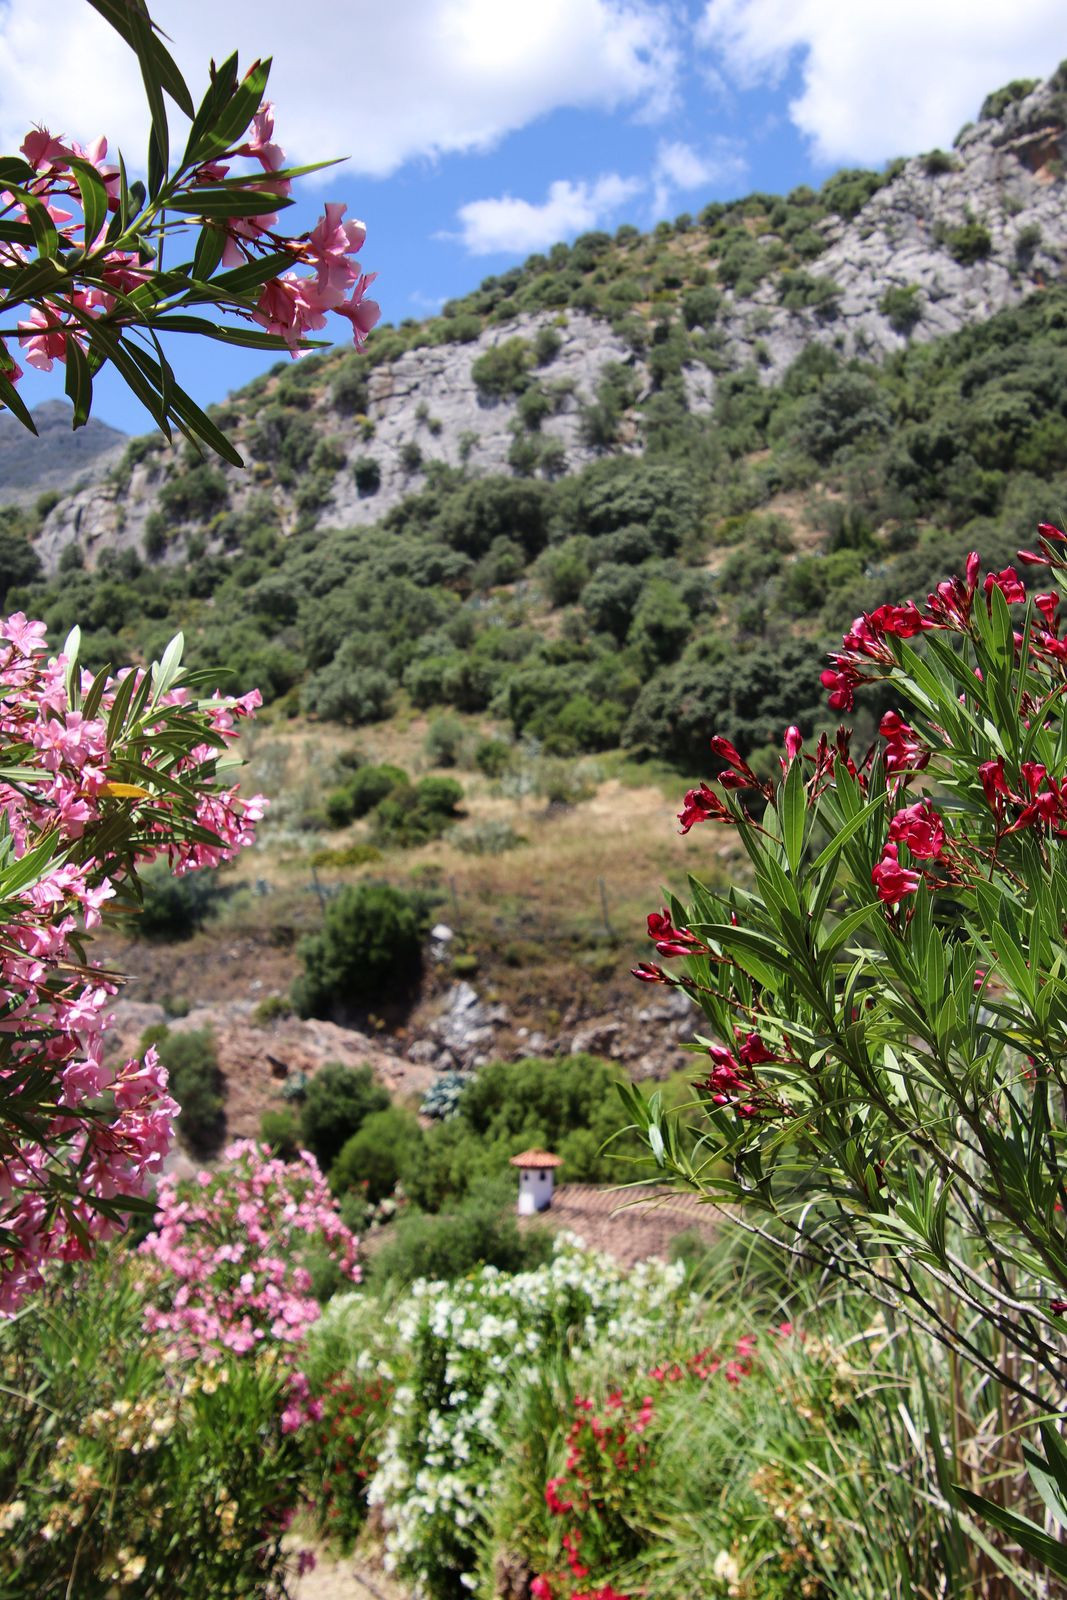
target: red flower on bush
921 829
892 881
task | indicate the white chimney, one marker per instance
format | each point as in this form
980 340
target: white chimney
537 1172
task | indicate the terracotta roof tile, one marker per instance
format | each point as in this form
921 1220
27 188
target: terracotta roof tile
536 1158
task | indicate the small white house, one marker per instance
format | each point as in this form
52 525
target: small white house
537 1172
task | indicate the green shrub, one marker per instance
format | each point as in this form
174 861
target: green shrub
938 162
482 1232
194 494
175 907
337 1101
19 563
273 1009
700 307
800 291
503 370
368 474
191 1060
348 392
970 242
547 345
995 104
368 949
444 742
412 814
375 1158
902 304
281 1131
493 757
492 837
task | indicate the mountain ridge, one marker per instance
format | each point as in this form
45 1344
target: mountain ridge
935 243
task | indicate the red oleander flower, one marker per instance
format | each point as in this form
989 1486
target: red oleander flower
892 881
919 827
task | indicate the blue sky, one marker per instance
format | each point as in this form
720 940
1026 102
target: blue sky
480 130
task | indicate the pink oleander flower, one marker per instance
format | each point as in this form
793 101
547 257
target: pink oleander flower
45 337
101 1129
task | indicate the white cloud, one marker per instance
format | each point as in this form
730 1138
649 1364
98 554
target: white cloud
882 77
680 167
383 84
517 226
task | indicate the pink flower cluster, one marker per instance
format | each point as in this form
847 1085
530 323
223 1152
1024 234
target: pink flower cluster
78 1135
225 1262
290 304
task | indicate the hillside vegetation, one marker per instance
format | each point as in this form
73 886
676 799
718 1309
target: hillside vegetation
668 540
643 598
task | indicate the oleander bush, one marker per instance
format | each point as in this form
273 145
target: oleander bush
127 1472
884 1004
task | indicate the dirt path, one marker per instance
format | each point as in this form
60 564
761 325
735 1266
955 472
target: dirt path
346 1580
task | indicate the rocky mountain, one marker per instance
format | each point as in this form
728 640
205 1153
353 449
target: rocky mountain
565 359
56 460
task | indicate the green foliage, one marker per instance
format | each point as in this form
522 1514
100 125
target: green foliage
130 1469
414 813
375 1158
493 757
175 907
194 493
192 1061
480 1232
547 345
368 950
337 1101
568 1106
995 104
503 370
19 563
848 191
903 305
970 242
280 1131
361 792
800 291
751 698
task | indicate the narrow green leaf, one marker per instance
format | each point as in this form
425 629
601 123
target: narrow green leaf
78 383
793 809
231 120
128 18
217 202
841 838
209 247
10 397
93 198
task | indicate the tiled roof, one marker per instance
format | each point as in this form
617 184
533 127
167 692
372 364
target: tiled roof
536 1158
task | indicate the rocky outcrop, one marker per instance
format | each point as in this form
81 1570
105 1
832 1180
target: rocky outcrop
257 1060
425 407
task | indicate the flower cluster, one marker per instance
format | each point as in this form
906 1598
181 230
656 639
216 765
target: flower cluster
592 1496
458 1353
99 776
352 1414
73 193
227 1258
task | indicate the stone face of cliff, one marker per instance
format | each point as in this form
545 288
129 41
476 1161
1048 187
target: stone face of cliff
962 236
